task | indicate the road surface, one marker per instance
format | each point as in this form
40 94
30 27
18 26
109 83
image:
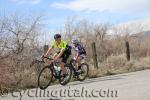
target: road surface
128 86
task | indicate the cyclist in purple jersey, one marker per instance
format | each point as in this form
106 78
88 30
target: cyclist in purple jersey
80 52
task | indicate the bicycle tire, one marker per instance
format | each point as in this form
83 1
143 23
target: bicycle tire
64 82
49 79
87 71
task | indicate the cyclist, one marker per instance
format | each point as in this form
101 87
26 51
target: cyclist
64 51
80 52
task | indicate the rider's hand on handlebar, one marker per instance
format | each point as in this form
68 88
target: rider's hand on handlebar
42 57
55 59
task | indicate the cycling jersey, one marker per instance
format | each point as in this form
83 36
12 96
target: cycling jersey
62 45
80 49
67 49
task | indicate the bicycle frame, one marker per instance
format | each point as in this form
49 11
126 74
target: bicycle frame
55 74
73 63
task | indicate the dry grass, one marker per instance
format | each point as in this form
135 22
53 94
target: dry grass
27 77
116 61
118 65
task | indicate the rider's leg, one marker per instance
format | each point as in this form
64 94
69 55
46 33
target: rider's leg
63 68
81 57
63 62
78 61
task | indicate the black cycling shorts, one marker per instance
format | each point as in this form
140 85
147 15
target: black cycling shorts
65 55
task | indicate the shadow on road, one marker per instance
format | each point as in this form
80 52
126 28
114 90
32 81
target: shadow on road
114 77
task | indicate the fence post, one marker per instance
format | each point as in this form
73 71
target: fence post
94 55
45 48
127 51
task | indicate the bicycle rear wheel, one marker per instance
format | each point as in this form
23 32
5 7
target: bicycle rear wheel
84 72
45 77
67 78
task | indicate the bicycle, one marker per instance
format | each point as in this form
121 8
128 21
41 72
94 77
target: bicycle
53 70
84 69
37 64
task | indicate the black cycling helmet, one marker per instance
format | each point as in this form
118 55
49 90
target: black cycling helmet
56 36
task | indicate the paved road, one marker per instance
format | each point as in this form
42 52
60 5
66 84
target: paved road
128 86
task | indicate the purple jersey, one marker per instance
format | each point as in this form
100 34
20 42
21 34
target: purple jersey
80 49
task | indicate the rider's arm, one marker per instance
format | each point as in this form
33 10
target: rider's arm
64 44
60 54
49 51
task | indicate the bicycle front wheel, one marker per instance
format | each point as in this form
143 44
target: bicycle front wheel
45 77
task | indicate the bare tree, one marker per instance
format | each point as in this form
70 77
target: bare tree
101 30
69 27
17 32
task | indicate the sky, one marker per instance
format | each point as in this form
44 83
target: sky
55 12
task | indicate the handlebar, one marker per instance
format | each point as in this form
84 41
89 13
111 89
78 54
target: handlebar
46 58
49 58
